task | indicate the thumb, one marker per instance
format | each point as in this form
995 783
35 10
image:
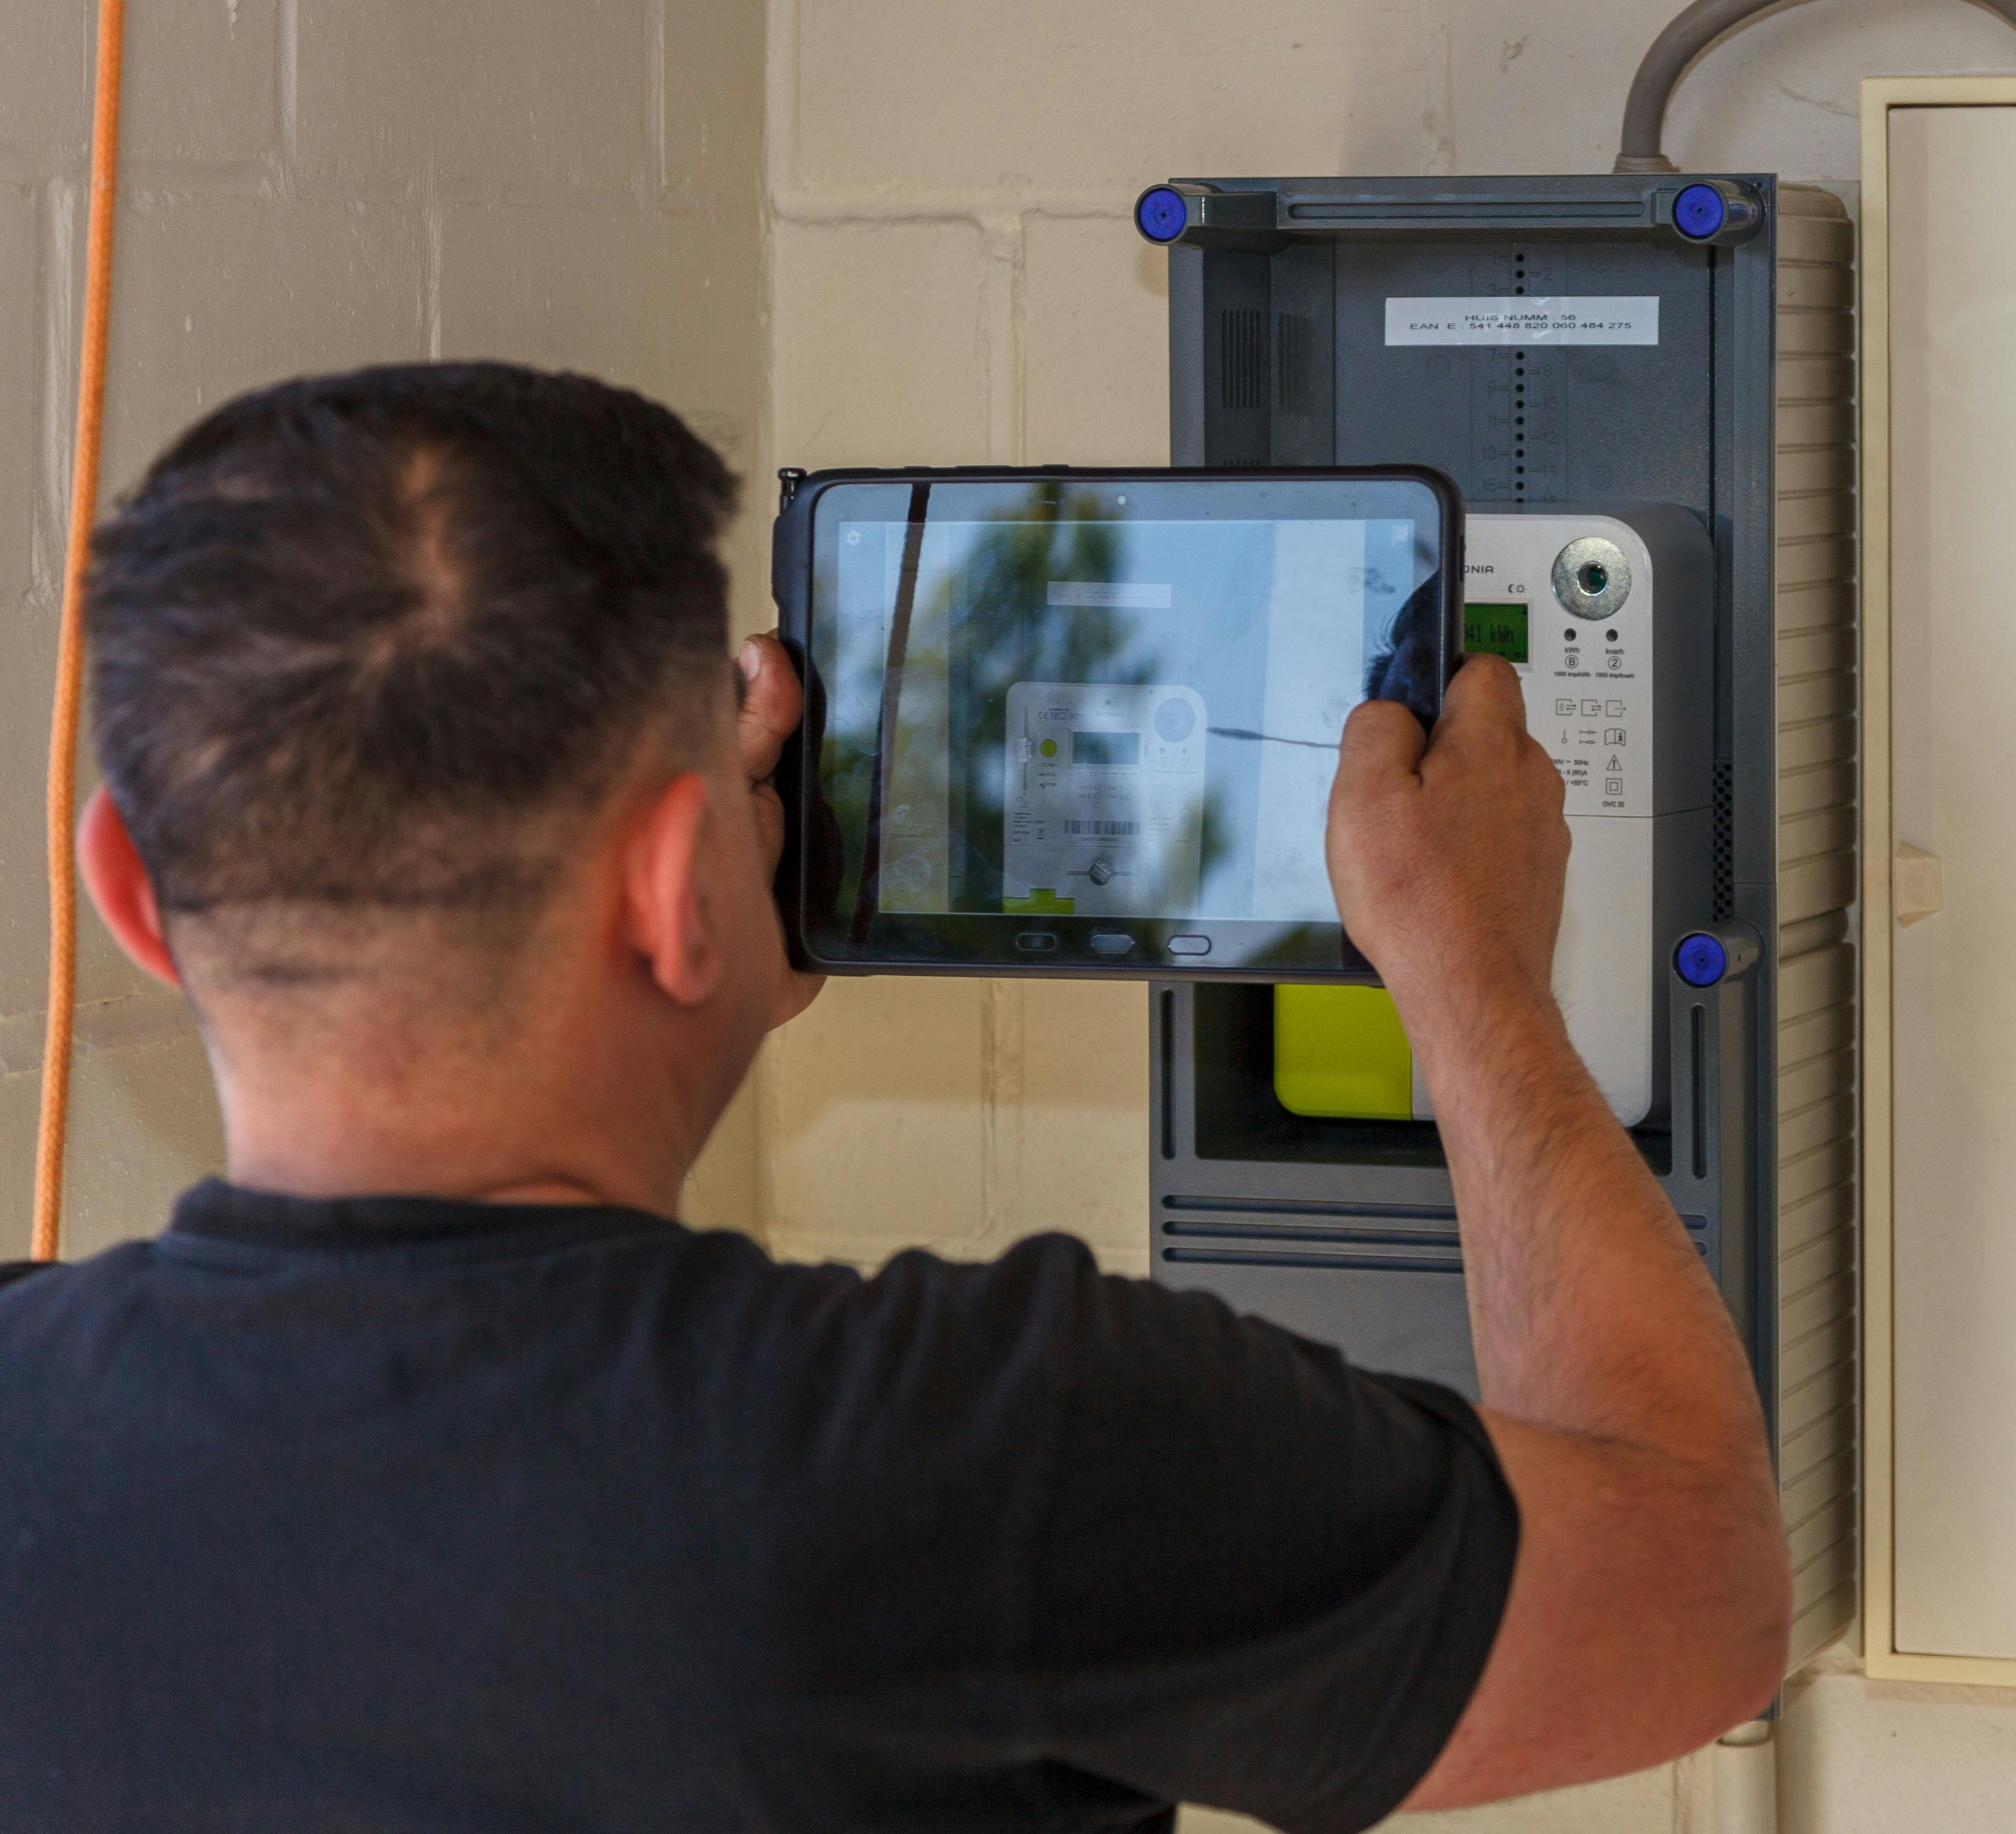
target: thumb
771 704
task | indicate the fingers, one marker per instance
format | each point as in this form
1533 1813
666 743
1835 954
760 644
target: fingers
1486 692
1381 740
1482 731
1378 775
772 703
1448 853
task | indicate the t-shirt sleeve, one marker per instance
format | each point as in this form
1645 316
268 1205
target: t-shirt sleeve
1264 1580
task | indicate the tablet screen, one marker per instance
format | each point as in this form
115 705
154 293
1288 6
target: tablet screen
1103 710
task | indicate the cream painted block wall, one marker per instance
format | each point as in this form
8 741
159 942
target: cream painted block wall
955 281
312 184
1894 1757
936 265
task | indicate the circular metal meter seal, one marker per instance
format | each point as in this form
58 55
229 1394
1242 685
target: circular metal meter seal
1592 578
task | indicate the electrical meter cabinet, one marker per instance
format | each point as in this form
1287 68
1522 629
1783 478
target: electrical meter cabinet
1593 609
1644 387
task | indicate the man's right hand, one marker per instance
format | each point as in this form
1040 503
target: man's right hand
1649 1604
1448 854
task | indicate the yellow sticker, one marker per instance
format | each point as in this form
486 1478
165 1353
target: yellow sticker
1341 1053
1042 902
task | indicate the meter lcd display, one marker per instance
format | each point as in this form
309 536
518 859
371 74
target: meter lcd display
1083 720
1496 630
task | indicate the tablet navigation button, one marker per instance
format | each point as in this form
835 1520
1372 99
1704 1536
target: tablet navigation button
1108 943
1190 945
1036 941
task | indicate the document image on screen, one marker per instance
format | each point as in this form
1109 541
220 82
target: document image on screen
1104 797
1316 672
1096 716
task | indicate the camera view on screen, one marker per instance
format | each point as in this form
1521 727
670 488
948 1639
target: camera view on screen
1062 706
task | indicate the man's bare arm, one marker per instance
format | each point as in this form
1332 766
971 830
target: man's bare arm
1648 1606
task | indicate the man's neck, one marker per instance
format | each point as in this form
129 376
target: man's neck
569 1085
506 1134
508 1176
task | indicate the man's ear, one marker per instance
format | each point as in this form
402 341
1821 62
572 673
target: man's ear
671 918
121 888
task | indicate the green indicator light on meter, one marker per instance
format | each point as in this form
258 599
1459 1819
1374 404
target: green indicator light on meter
1495 630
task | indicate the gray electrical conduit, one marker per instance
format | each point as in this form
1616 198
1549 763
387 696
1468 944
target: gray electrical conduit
1690 34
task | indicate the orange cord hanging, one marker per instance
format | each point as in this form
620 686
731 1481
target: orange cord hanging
52 1134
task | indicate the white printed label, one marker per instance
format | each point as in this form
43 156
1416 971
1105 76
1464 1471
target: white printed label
1568 318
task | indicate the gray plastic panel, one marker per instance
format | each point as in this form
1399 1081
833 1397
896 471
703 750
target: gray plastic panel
1585 410
1280 269
1306 266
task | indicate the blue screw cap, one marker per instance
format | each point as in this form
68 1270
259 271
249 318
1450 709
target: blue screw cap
1701 959
1700 211
1160 213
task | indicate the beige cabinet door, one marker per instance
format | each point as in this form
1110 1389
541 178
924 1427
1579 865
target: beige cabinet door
1953 914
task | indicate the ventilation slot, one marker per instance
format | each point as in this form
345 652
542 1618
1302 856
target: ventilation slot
1724 843
1242 356
1294 360
1518 393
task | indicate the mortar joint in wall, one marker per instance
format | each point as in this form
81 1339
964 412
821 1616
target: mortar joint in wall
1001 234
789 204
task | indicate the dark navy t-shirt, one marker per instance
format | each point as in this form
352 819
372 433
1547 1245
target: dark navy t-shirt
396 1514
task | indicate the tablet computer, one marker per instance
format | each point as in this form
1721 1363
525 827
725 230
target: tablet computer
1064 721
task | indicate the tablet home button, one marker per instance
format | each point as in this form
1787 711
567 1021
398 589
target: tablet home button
1190 945
1106 943
1036 941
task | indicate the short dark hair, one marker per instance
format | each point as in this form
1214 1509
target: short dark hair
353 635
